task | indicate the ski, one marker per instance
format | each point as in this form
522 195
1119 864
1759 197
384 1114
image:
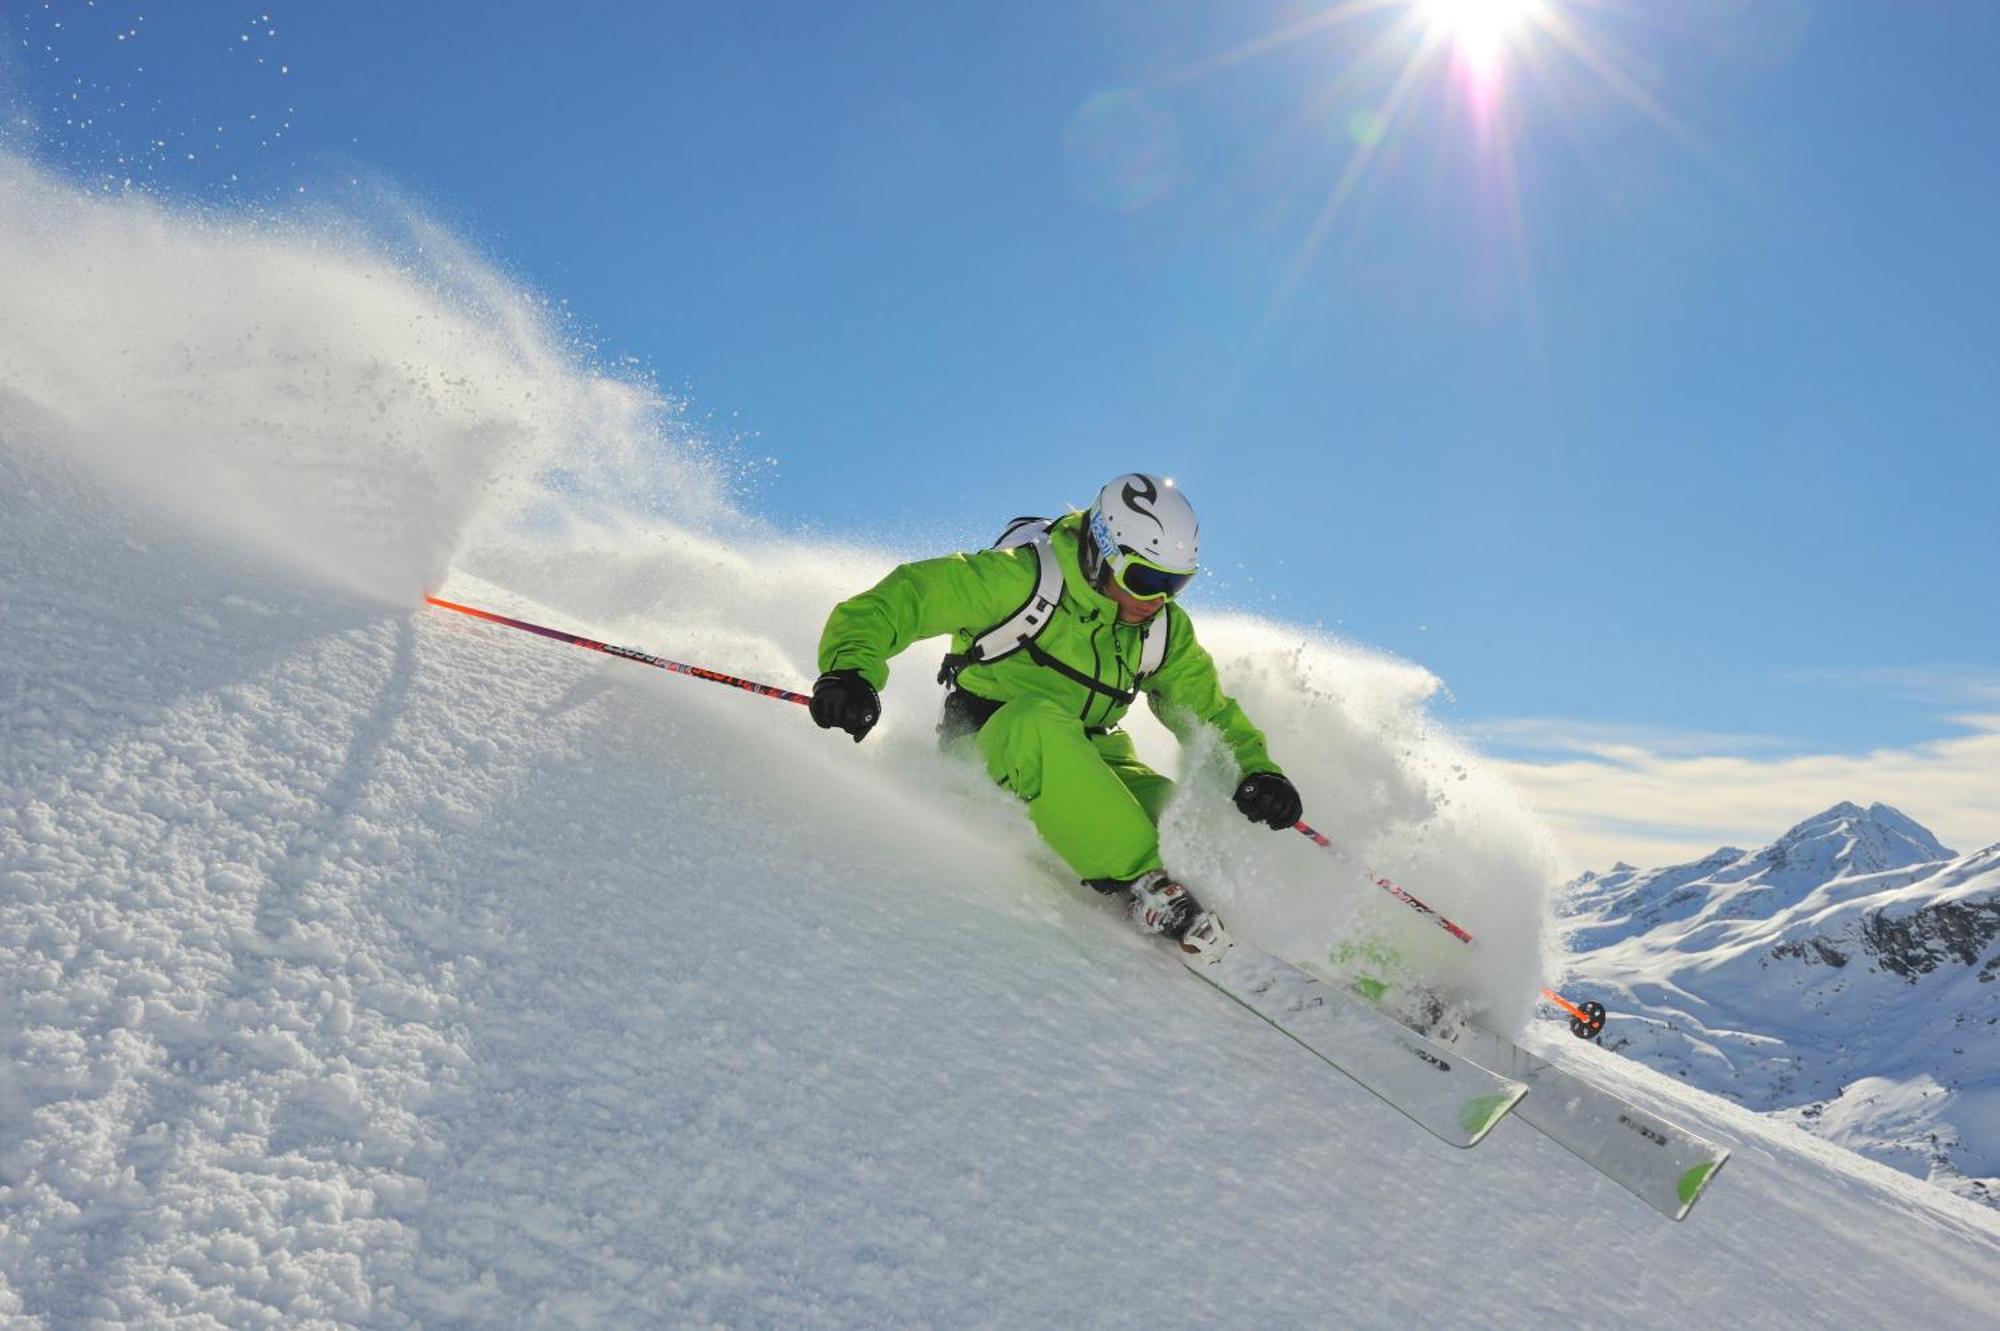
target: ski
1661 1163
1442 1090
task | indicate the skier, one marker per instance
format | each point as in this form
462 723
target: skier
1055 631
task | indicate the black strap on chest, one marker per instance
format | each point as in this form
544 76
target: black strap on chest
1068 671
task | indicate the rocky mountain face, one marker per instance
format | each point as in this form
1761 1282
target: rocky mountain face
1846 977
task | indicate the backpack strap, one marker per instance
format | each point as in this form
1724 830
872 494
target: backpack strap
1022 627
1064 668
1022 531
1152 645
1152 653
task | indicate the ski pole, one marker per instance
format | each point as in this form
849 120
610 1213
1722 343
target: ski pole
1320 839
628 653
1586 1019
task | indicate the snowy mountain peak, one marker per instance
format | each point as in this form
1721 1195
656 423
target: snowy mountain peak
1895 820
1844 842
1842 976
1848 839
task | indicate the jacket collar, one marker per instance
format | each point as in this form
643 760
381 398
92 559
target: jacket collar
1065 536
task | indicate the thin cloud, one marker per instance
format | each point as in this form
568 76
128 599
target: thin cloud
1664 803
1554 735
1943 685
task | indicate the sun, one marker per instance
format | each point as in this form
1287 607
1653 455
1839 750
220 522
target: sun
1475 52
1479 29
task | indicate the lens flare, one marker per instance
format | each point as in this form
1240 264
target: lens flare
1478 29
1407 67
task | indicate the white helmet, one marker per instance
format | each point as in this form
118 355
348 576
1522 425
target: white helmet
1143 528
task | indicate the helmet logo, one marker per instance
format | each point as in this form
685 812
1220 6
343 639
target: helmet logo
1140 501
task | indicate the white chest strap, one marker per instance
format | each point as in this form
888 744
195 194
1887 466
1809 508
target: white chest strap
1021 628
1026 623
1153 646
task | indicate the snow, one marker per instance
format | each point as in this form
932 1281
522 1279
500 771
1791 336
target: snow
362 965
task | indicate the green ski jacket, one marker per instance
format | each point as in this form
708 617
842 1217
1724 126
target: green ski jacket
967 594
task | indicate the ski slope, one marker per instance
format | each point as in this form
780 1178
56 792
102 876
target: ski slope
368 966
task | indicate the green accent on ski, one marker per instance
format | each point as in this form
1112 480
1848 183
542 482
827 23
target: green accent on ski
1366 951
1357 957
1695 1180
1482 1112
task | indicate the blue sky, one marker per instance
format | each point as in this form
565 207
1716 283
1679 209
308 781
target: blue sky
1643 390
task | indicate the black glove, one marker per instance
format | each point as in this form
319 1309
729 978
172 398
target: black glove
842 700
1267 797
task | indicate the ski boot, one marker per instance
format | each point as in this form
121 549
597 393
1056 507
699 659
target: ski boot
1159 905
1205 937
1162 906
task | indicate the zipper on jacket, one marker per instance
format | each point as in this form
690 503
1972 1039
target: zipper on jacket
1120 675
1096 673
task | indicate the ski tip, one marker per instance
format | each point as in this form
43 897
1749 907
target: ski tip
1694 1183
1478 1115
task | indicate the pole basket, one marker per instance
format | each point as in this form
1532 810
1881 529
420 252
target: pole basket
1588 1024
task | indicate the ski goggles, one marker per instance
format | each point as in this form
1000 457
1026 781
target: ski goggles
1141 578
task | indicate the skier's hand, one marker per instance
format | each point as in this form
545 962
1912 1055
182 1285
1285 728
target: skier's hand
842 700
1268 797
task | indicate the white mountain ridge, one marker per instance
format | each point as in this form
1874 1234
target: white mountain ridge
1845 977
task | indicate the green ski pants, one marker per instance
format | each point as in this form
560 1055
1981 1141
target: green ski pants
1089 795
